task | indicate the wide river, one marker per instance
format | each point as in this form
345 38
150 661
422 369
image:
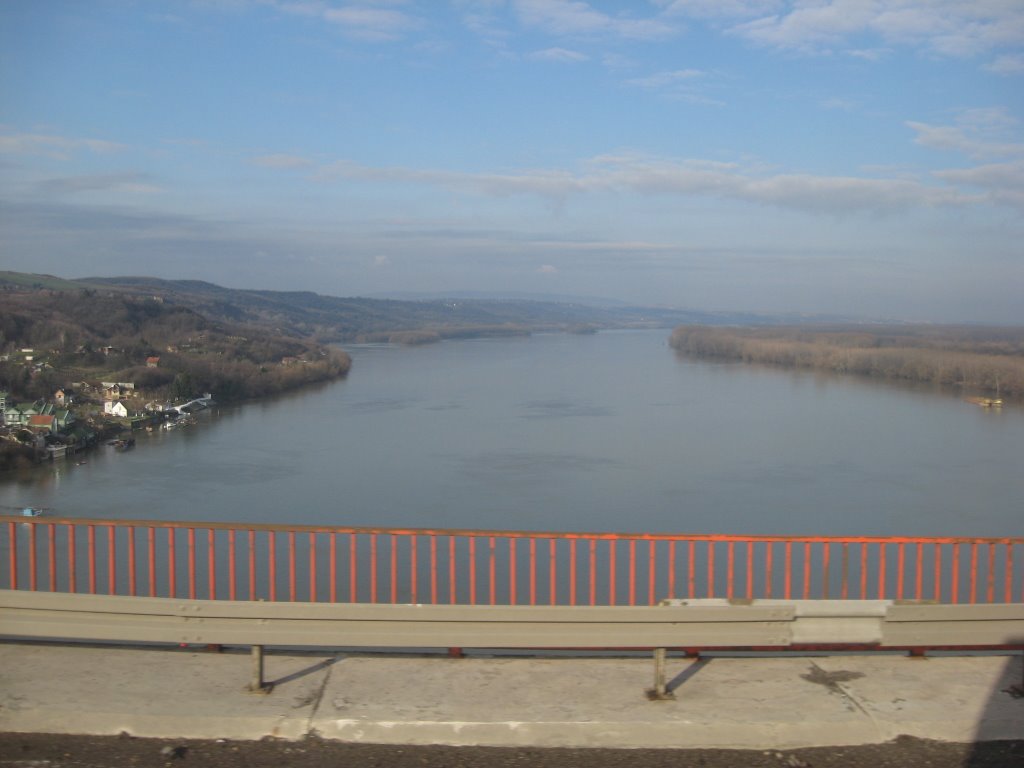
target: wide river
606 432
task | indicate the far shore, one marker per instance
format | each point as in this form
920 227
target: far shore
986 364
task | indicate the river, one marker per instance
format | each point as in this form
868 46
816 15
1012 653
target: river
611 431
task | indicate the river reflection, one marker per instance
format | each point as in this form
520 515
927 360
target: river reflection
610 431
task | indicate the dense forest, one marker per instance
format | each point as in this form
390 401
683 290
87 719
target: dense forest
978 360
87 334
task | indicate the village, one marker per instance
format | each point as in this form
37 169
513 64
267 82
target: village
85 414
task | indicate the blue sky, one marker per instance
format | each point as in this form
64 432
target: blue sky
863 157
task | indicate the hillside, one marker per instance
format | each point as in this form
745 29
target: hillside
328 319
353 319
51 336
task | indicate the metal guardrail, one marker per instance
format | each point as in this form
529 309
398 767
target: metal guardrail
675 624
218 561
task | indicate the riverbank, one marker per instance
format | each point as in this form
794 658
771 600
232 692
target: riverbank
979 361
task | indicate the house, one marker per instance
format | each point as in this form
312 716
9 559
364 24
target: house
13 416
152 362
60 398
115 408
3 405
63 418
41 423
115 390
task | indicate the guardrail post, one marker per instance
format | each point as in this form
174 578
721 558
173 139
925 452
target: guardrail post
258 685
660 691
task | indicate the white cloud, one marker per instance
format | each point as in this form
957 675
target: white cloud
56 147
805 192
959 28
130 181
1001 182
364 19
994 176
543 183
280 161
1009 64
683 178
972 138
868 54
666 79
720 8
845 105
617 61
979 134
376 24
809 26
548 269
683 84
558 54
578 19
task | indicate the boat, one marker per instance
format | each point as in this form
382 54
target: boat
123 445
986 402
31 512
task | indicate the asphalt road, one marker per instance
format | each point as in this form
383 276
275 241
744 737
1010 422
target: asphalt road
66 751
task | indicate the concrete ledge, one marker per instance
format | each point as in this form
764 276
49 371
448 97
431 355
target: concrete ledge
755 703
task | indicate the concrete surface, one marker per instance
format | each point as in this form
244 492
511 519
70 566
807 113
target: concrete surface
756 703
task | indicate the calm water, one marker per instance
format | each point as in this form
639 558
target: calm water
558 432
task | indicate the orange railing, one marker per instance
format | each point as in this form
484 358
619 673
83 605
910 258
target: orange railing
398 565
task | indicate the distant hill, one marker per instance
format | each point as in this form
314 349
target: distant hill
305 314
330 318
54 332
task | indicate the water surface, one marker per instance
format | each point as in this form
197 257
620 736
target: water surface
560 432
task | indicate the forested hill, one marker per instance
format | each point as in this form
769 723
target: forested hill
57 332
330 318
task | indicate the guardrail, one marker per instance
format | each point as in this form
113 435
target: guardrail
776 624
222 561
674 624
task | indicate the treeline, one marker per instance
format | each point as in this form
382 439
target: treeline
239 379
986 361
432 335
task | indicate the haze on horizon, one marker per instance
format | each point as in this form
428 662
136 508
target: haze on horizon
861 157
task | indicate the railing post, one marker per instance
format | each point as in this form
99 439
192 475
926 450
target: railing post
660 691
257 684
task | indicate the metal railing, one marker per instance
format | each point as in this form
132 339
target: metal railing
223 561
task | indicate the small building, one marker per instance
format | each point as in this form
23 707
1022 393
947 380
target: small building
41 423
152 362
115 408
14 416
60 398
63 419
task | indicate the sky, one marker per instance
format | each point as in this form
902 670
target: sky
855 157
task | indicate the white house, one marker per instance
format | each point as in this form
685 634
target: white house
115 408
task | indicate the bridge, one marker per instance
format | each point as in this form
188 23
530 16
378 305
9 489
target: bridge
321 586
380 565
